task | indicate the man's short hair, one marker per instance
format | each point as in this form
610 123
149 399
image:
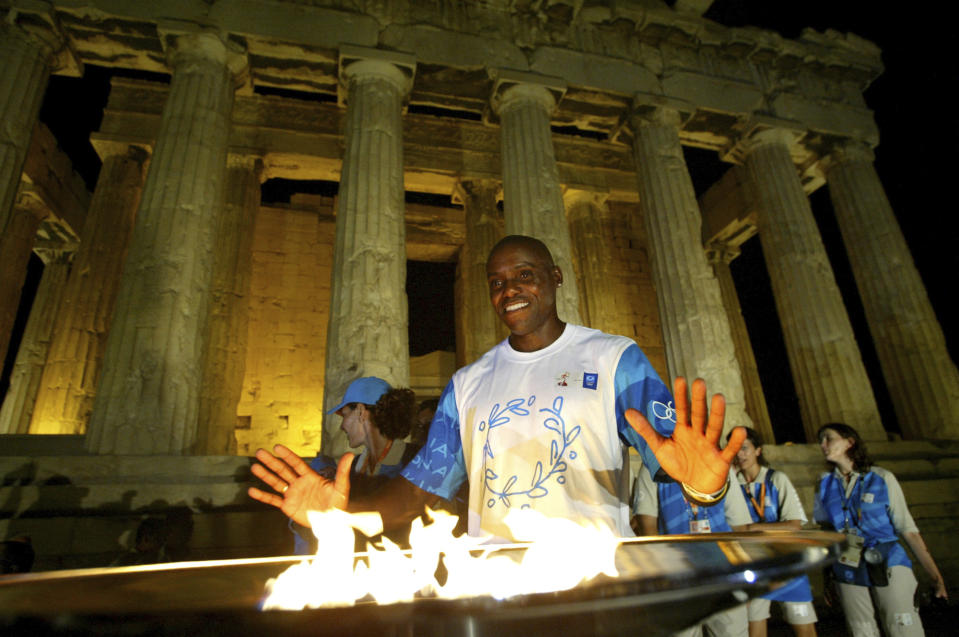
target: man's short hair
527 241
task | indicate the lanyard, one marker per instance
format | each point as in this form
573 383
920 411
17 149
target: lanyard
848 495
760 511
370 468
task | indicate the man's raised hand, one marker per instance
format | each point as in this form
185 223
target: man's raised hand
692 455
300 488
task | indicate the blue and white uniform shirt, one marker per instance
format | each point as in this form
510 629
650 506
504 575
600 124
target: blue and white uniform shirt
544 430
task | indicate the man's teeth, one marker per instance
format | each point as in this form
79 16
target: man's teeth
518 305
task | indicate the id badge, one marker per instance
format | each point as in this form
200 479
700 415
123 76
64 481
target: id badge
699 526
851 555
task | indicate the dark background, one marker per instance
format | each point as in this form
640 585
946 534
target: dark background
912 101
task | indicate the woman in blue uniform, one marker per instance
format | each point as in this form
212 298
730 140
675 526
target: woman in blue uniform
773 504
867 504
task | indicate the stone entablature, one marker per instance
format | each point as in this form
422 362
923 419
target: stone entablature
604 53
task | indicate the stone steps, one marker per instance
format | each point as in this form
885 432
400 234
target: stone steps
83 511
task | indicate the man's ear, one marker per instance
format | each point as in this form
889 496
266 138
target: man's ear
364 413
557 276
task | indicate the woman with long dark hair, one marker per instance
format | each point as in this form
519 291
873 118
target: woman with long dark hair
773 504
867 504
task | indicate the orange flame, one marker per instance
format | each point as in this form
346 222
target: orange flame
558 555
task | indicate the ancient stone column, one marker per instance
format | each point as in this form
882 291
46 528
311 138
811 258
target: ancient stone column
35 344
477 327
587 213
16 244
719 256
831 381
532 197
695 327
922 379
69 383
148 397
26 55
367 333
230 310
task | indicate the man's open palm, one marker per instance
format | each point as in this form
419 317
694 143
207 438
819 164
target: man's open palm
692 455
300 488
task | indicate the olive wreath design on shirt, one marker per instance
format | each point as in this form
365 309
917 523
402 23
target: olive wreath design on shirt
559 451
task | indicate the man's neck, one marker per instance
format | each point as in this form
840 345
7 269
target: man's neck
540 339
752 472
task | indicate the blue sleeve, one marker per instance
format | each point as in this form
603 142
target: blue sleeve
638 387
440 466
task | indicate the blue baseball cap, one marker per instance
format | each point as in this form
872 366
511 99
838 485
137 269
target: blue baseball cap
366 390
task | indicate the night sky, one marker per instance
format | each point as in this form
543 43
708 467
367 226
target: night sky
912 101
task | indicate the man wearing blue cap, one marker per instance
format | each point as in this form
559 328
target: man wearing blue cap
539 421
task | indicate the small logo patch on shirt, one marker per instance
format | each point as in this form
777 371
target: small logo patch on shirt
867 498
590 380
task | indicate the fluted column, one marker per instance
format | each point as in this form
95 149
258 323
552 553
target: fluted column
532 197
69 382
16 244
148 396
719 255
367 333
230 310
922 380
695 327
477 327
35 344
587 213
26 56
831 381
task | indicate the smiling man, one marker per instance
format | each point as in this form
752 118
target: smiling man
540 421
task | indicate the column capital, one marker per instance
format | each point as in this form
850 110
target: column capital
721 252
359 61
184 43
844 151
463 189
648 109
511 87
578 201
109 146
762 130
34 23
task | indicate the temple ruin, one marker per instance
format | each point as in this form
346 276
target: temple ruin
180 323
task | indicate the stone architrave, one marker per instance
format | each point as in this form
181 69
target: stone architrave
69 381
225 360
368 328
720 255
16 244
588 217
35 344
830 377
532 196
148 398
696 329
26 58
923 381
477 327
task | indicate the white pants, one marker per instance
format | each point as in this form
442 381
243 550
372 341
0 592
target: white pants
897 612
727 623
795 612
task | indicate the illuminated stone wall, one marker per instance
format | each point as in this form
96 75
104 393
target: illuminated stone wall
289 308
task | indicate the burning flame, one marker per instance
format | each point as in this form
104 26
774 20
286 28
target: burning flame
558 554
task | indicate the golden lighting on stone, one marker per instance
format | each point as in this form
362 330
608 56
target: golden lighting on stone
556 554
